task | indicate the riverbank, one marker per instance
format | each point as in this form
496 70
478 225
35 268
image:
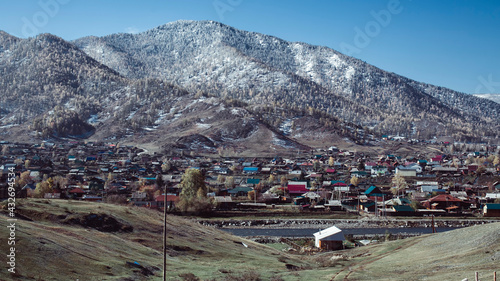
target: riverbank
367 222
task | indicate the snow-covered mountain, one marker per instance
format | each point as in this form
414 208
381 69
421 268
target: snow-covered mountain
262 69
50 88
214 86
493 97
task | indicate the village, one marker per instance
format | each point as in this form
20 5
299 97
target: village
325 181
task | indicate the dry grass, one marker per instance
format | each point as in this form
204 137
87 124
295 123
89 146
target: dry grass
452 255
49 249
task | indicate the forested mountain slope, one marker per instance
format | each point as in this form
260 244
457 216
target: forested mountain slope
262 69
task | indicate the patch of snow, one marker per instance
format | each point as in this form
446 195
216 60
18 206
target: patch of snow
94 119
335 61
350 72
8 126
194 102
309 66
161 116
237 111
493 97
280 142
286 127
203 126
131 115
221 108
69 106
212 100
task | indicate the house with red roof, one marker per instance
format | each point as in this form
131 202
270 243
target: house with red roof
76 192
160 200
444 202
296 188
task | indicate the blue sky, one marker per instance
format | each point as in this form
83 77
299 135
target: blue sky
455 44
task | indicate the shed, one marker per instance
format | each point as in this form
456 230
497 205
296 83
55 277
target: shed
331 238
491 210
224 202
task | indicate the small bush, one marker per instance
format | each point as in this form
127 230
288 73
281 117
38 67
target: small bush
189 277
277 278
282 259
116 199
245 276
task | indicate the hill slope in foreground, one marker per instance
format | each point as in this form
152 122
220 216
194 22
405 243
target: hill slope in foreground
70 240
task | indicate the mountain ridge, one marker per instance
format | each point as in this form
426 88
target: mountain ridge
333 73
137 87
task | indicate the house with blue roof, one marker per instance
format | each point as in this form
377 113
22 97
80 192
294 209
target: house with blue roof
250 170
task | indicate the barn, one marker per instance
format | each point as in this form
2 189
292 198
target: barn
331 239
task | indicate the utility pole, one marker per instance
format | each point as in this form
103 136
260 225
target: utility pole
383 206
165 234
433 227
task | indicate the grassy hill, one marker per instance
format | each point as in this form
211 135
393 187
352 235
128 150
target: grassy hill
63 243
452 255
70 240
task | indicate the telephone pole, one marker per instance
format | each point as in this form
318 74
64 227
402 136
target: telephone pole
165 234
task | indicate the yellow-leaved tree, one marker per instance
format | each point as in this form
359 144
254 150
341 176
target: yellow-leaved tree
193 197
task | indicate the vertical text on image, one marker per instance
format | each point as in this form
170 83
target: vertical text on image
11 221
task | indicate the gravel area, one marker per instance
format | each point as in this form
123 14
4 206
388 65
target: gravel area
368 222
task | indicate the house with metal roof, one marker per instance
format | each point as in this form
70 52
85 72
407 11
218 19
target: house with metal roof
331 238
240 191
250 170
297 187
491 210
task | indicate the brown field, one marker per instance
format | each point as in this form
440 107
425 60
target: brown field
63 240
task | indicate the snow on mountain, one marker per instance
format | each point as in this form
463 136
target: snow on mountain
210 84
493 97
262 69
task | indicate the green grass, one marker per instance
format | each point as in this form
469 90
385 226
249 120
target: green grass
47 248
52 250
278 246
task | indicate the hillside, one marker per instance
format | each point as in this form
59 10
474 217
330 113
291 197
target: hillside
52 89
452 255
69 240
37 74
206 87
91 241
